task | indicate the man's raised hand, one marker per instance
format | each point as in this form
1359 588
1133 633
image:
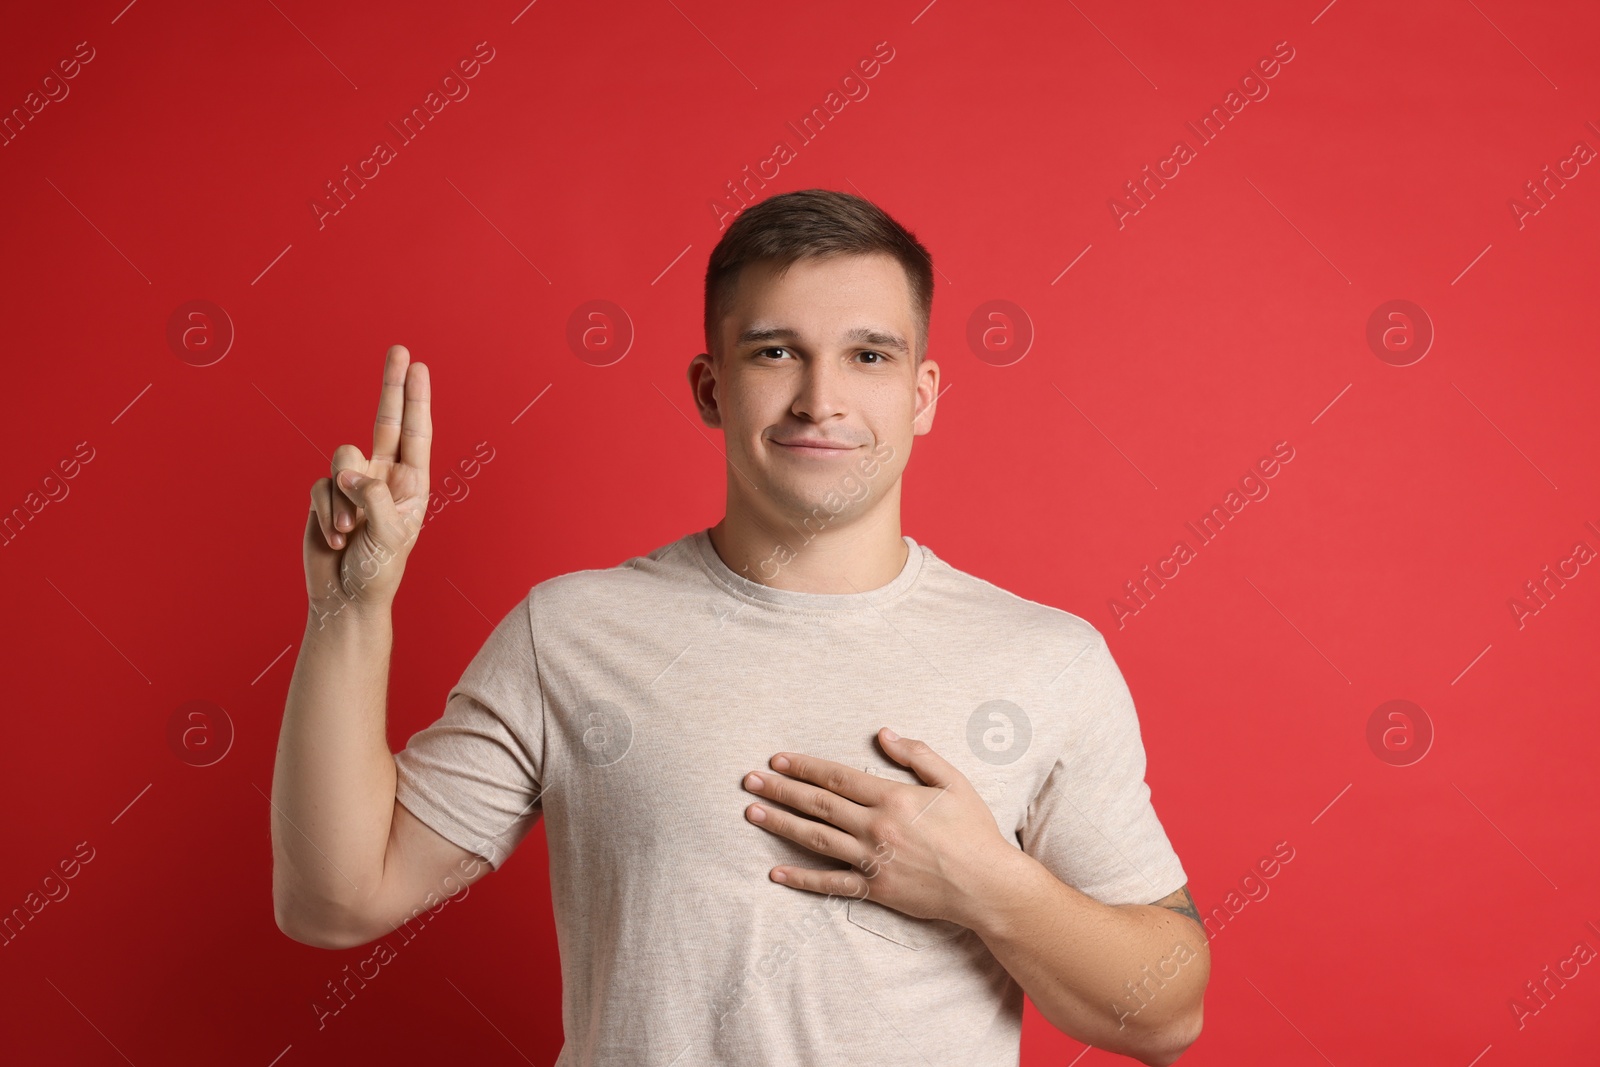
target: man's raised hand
365 518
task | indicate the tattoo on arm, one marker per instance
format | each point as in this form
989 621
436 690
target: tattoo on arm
1182 903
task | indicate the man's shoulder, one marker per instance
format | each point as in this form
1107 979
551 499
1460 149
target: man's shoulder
982 603
625 581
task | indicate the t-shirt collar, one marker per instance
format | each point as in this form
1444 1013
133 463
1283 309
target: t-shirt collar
746 589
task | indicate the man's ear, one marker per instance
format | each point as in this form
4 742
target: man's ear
702 375
927 397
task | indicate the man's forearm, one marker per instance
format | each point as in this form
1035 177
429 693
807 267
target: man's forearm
1126 979
333 781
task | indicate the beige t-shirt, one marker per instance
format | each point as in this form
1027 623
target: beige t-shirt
627 704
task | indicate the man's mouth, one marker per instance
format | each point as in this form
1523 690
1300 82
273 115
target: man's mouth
816 448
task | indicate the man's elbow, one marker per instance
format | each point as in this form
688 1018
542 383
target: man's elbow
1175 1041
295 928
304 936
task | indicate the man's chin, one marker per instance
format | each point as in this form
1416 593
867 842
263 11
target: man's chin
794 505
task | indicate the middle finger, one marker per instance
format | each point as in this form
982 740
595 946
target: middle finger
803 796
819 837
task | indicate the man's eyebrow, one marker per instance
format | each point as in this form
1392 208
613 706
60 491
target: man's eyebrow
861 334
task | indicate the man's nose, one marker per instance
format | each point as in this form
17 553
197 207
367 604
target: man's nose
821 390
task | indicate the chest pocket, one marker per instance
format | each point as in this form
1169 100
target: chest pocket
908 930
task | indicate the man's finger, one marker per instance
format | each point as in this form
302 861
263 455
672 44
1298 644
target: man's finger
322 508
815 801
819 837
931 767
416 424
384 522
344 507
857 785
831 883
391 405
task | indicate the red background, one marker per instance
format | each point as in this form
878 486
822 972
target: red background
1228 314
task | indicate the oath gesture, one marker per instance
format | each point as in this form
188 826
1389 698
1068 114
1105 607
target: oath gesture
365 518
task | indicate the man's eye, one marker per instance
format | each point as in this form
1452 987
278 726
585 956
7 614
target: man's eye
878 357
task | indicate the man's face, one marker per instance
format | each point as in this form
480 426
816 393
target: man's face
825 353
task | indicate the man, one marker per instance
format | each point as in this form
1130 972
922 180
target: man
748 864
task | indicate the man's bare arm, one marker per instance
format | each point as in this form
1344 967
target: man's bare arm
1181 902
1129 979
347 858
350 862
333 782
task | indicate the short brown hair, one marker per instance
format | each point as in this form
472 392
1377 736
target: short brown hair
783 229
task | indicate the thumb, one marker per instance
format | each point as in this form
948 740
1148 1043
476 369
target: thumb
372 494
931 767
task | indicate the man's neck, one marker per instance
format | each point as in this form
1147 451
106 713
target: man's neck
864 554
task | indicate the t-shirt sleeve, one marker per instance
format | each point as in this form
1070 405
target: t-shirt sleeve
1092 824
474 774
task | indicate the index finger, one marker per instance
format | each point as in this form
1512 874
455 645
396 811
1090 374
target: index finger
391 404
416 425
848 782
